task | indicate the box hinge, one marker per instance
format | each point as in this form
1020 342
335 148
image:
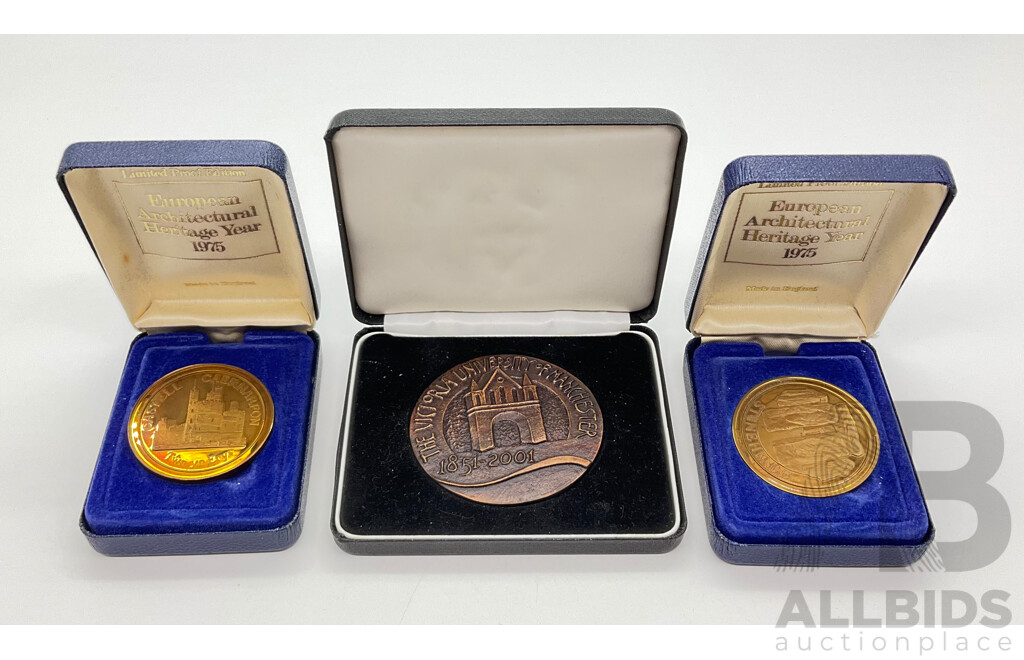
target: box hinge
779 344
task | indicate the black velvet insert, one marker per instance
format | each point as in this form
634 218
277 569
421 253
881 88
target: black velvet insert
627 490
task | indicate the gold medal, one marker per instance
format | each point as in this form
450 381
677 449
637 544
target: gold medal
806 436
506 429
200 421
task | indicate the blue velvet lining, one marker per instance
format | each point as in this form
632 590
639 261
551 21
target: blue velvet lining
126 498
887 509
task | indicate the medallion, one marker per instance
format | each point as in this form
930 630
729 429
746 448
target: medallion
806 436
200 421
506 429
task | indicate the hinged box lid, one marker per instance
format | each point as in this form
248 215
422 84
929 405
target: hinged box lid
201 234
813 246
505 210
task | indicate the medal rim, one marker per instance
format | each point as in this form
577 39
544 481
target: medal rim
855 479
144 454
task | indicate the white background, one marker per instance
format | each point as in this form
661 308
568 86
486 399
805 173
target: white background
952 334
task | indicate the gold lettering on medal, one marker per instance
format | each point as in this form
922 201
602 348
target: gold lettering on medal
200 421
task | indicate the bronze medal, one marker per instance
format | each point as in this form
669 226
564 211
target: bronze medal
506 429
200 421
806 436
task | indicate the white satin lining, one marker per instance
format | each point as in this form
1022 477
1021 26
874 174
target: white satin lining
456 324
505 218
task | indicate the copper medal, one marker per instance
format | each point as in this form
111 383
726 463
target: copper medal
506 429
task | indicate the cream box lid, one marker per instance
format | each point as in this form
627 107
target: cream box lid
813 247
194 234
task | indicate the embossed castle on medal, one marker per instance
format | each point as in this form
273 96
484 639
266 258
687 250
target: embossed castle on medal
506 429
209 424
502 400
200 421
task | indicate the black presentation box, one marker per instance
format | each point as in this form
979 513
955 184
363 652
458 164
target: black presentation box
533 232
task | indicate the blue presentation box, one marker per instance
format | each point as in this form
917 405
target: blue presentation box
801 259
203 244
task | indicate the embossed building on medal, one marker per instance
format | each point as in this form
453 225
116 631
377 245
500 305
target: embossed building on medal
208 424
503 400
